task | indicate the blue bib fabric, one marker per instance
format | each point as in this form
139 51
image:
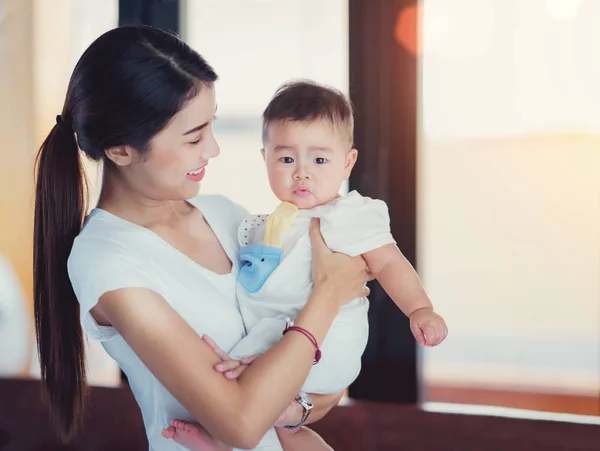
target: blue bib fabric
257 263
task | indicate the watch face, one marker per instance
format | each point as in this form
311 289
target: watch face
306 397
307 404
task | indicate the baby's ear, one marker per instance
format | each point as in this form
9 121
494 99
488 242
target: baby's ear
262 152
350 161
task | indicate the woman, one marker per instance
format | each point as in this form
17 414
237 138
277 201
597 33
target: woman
154 266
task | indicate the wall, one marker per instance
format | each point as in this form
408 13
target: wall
17 143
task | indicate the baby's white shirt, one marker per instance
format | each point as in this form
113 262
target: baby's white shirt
351 224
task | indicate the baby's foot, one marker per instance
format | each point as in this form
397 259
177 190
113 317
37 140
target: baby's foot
193 436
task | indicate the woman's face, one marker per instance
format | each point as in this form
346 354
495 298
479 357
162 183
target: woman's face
176 161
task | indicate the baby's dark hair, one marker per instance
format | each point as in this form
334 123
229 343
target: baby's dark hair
308 101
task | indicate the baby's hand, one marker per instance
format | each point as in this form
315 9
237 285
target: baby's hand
428 327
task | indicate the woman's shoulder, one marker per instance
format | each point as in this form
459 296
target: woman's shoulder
100 224
221 206
104 235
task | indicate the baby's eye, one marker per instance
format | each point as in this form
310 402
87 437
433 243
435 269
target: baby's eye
320 160
286 160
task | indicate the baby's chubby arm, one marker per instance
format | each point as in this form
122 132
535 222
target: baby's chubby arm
400 281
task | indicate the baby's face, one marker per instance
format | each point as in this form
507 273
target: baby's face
307 162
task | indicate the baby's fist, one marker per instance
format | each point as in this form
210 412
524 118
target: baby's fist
428 327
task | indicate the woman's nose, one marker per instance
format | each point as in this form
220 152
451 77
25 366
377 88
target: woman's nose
212 149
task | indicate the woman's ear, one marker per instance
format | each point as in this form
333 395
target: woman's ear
349 164
262 152
120 155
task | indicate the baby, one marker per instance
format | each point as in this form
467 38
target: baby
308 150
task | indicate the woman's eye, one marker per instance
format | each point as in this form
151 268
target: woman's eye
286 160
195 143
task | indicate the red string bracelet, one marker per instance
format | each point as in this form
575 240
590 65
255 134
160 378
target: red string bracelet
308 335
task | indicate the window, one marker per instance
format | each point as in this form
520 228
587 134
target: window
509 195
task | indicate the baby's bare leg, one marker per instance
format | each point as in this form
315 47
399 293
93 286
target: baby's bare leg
301 439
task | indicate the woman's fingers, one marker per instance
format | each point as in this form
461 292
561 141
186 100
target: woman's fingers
242 366
227 366
220 353
318 243
232 369
237 372
346 275
249 360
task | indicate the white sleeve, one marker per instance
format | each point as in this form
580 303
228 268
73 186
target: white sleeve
357 225
97 266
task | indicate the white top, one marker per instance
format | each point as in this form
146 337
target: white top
111 253
352 224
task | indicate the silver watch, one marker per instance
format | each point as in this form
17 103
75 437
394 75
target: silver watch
306 402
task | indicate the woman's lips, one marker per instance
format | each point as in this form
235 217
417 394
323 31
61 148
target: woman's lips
197 174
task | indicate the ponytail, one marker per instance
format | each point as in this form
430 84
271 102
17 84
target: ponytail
126 87
60 206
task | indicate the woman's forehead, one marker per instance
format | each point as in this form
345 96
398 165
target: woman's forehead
197 111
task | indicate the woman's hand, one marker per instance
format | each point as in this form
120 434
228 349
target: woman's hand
290 416
346 275
231 369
